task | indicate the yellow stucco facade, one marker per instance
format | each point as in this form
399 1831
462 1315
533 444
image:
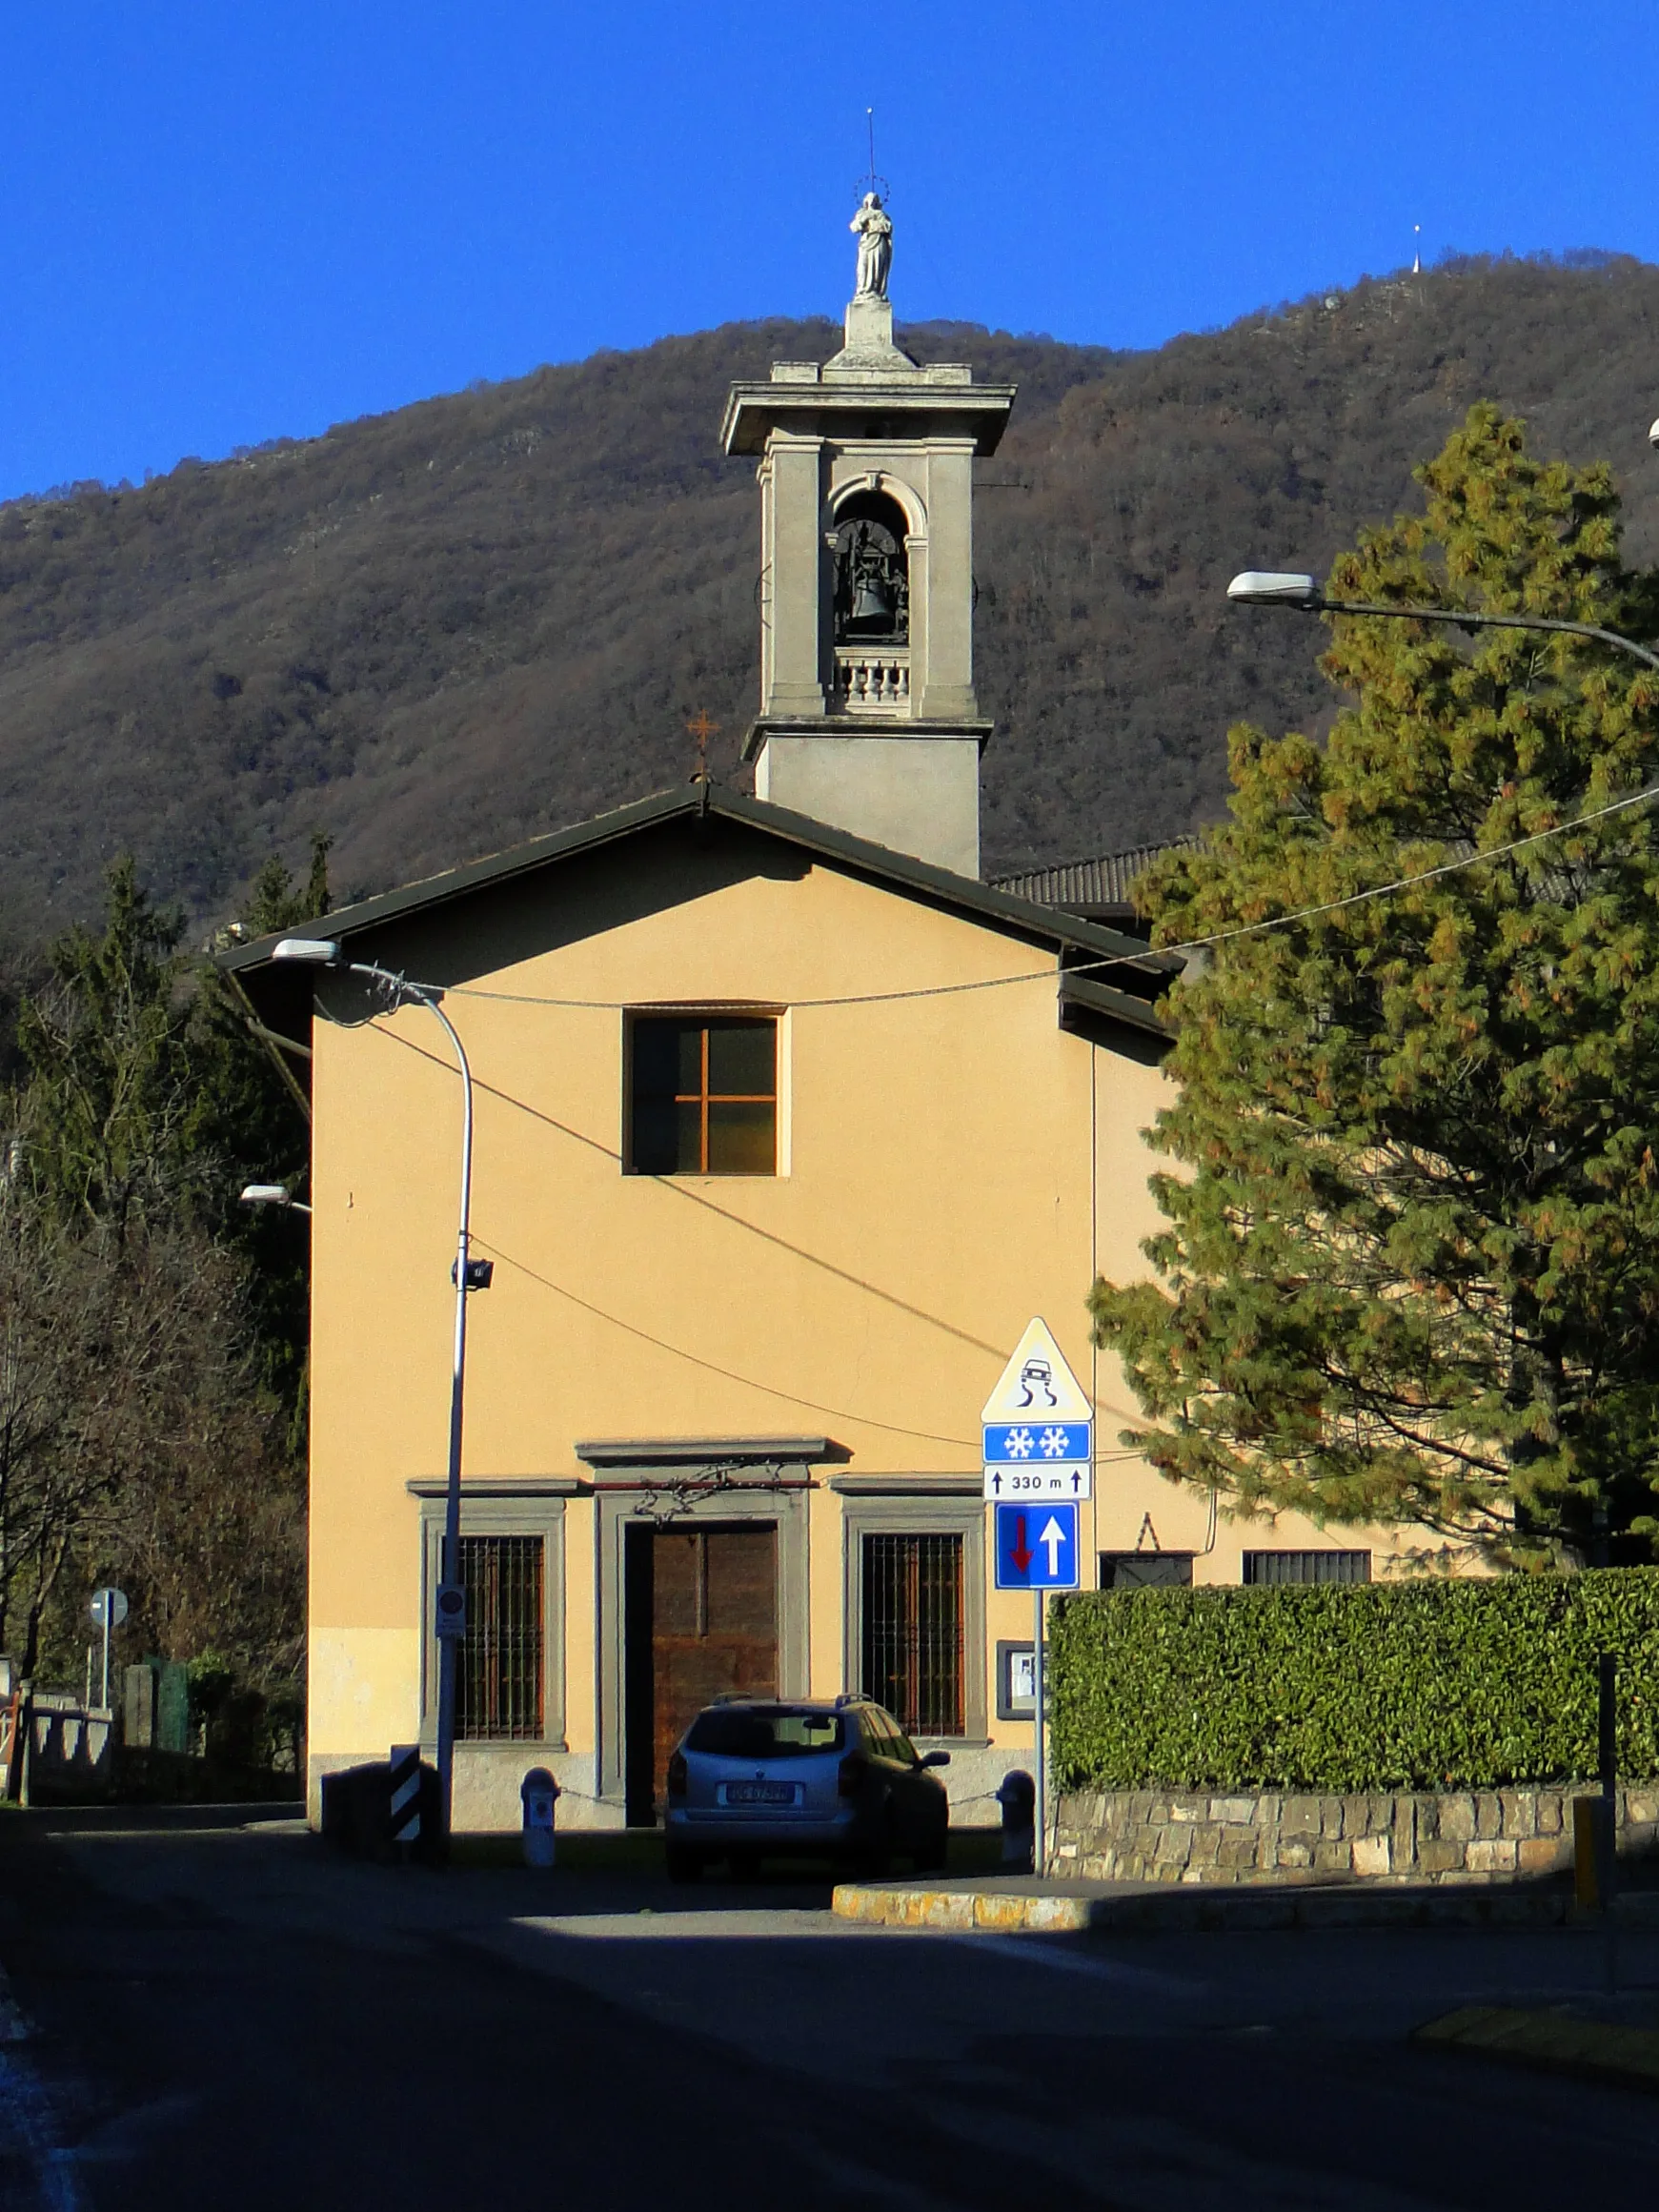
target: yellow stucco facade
806 1350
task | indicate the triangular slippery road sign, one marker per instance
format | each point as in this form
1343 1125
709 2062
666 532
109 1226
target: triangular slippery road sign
1038 1383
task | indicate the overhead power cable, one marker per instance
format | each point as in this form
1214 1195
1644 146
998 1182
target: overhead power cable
1144 963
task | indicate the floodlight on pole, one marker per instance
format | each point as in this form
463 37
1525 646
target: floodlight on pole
1271 588
271 1194
313 951
1265 587
449 1603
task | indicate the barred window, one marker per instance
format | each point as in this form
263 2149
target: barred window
499 1680
1282 1566
704 1095
912 1630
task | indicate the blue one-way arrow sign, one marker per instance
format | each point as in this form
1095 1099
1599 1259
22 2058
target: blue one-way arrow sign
1037 1547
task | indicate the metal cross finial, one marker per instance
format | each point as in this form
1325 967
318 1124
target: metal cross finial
703 730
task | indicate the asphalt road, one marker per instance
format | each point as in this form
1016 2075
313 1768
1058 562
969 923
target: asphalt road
229 2016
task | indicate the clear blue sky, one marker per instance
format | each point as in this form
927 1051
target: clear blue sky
224 223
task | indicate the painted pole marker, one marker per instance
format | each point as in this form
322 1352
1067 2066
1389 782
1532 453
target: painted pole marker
404 1777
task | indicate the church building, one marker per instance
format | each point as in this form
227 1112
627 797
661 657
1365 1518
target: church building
785 1125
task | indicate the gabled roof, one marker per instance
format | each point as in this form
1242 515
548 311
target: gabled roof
1122 977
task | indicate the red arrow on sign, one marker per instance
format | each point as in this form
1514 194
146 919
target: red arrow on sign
1019 1552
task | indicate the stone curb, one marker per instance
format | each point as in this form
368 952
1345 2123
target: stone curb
1064 1910
988 1909
1594 2050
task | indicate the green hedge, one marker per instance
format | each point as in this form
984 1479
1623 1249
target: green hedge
1387 1686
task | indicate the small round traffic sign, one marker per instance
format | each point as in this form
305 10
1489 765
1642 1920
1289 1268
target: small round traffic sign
109 1608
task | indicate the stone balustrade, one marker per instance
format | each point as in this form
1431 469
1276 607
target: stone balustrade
872 682
1258 1837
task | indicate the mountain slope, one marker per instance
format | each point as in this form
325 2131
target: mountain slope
436 631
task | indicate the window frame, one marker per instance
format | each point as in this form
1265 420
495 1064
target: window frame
704 1013
506 1513
911 1514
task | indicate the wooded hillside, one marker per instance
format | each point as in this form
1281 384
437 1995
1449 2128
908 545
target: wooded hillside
438 630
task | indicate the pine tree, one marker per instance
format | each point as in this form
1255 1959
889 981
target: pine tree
1410 1271
152 1331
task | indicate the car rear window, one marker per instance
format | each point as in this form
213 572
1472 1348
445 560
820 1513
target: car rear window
732 1731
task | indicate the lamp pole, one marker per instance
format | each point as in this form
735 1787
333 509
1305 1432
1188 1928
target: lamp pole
1271 588
449 1611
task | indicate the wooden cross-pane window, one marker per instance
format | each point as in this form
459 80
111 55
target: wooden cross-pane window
704 1095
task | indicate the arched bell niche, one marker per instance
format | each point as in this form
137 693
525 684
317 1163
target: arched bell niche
872 572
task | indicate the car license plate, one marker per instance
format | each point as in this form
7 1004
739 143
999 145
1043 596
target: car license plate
759 1793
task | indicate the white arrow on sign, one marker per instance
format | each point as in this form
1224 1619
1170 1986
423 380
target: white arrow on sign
1051 1539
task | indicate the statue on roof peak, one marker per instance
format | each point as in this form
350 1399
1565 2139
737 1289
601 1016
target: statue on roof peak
873 227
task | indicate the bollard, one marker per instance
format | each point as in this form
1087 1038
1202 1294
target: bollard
1017 1794
1589 1857
539 1793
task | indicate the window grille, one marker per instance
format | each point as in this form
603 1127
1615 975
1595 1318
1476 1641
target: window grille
1282 1566
705 1093
499 1678
912 1630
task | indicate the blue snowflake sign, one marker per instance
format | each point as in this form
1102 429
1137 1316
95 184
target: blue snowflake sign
1037 1426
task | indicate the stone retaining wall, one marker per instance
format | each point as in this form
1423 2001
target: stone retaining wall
1243 1836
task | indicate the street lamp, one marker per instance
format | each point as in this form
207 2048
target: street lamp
1273 588
449 1610
271 1194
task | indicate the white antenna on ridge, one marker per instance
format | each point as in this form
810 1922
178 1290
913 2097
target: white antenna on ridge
1417 250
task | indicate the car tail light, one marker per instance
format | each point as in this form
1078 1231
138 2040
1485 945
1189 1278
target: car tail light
676 1775
850 1775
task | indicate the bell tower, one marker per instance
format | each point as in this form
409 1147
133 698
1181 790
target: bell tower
868 718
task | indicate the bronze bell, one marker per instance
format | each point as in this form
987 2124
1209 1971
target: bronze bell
872 601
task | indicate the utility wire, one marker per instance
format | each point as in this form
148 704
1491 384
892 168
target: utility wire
1404 883
1039 975
1518 844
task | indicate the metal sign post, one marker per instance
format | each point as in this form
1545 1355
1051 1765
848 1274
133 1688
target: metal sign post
109 1610
1038 1435
1036 1550
1039 1729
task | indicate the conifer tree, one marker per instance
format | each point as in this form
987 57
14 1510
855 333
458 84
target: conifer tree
1410 1266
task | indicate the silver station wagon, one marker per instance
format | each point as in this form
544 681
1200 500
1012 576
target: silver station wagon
756 1778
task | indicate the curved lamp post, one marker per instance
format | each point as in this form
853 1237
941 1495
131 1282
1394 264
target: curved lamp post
1274 588
449 1610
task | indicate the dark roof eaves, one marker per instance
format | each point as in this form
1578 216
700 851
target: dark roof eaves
429 891
1046 925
